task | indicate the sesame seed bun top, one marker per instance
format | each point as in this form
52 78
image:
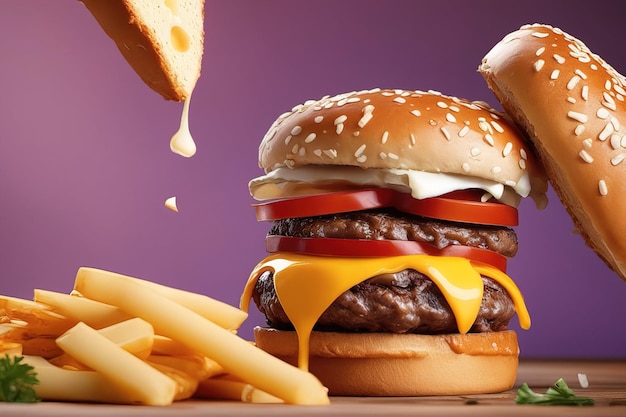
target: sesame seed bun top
572 105
415 130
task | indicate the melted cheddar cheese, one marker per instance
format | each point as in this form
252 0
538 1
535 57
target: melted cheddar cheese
307 285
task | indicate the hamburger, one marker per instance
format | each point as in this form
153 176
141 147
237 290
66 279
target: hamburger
392 218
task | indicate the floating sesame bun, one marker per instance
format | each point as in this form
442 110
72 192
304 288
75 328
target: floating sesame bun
571 104
386 364
424 131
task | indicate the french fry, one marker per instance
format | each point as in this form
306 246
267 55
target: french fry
133 335
226 388
121 368
92 313
236 355
58 384
192 366
10 348
222 314
186 384
33 325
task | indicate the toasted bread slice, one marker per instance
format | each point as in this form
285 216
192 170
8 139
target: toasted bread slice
162 40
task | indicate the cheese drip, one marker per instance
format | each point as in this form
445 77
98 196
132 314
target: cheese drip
307 285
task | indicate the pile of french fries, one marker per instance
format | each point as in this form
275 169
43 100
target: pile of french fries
124 340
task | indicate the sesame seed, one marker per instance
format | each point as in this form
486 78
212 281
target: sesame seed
558 58
446 133
606 132
579 117
602 187
496 170
331 153
393 156
540 51
416 112
384 138
450 117
465 167
339 128
361 159
489 139
296 130
310 138
580 74
475 151
484 126
587 143
572 82
464 131
617 159
455 109
585 92
602 113
302 151
554 74
609 102
317 152
287 140
442 105
340 119
356 133
400 100
319 119
507 149
523 154
538 64
359 152
540 34
413 140
382 155
497 126
584 155
432 122
607 85
615 123
571 100
619 89
295 148
368 113
616 142
290 163
522 164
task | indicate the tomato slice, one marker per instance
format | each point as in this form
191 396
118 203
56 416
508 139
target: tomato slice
460 206
351 248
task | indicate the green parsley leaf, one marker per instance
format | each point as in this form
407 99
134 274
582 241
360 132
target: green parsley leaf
17 380
558 394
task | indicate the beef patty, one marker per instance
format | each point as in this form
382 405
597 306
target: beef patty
403 302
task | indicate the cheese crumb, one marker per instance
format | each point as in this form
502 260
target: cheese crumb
170 203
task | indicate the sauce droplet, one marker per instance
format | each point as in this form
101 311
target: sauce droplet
182 142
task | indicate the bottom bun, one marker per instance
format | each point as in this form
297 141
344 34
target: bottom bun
385 364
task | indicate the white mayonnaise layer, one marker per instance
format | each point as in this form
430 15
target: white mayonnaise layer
286 182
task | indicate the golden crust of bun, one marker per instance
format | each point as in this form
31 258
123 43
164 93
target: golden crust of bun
571 104
385 364
425 131
164 45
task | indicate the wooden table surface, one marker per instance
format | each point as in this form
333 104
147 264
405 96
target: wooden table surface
607 385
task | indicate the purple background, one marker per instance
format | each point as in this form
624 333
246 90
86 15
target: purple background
85 165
